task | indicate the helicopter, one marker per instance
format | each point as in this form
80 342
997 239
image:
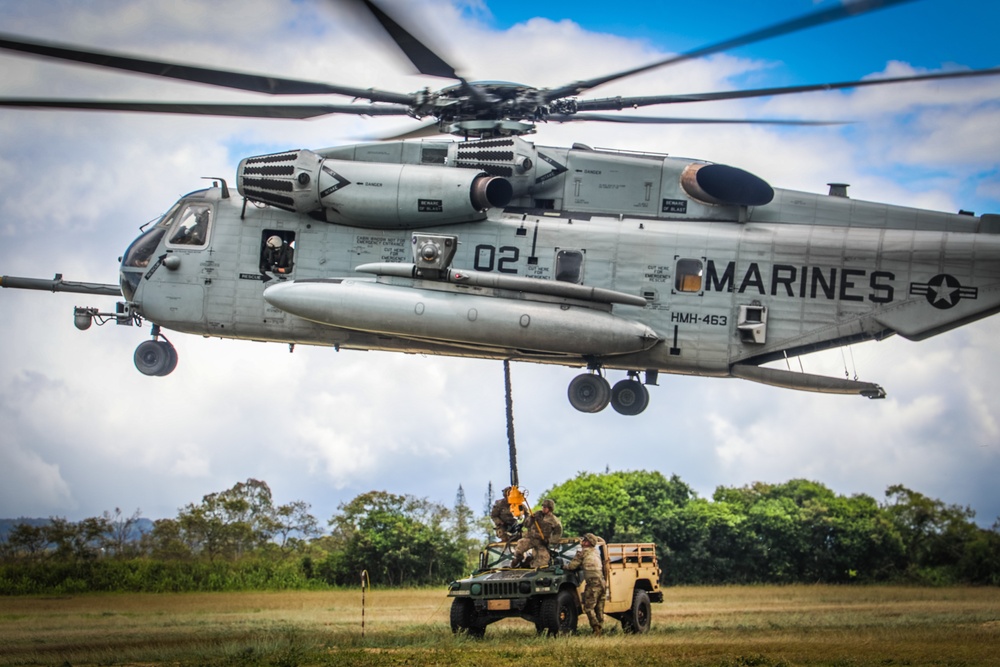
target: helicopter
495 247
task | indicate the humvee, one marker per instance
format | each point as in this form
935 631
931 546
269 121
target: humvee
550 597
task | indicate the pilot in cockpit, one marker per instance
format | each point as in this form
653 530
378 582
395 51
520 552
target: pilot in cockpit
192 234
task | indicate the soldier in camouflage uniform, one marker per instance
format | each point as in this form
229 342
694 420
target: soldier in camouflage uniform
589 560
504 521
541 530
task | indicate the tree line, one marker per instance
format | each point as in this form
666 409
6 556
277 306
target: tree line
239 539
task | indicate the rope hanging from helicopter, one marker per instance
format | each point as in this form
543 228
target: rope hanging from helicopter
515 497
511 446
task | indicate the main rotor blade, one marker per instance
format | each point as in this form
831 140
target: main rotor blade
426 129
626 102
293 111
841 11
423 58
660 120
426 61
257 83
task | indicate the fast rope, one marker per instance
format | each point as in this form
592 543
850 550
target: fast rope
512 448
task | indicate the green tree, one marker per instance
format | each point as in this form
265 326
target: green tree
618 506
398 540
704 542
76 541
980 563
27 540
801 530
856 540
294 526
463 526
166 541
484 522
230 523
120 541
935 535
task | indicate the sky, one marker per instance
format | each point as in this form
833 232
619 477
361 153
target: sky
82 432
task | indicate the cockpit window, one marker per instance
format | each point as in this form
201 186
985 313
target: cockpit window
192 226
138 254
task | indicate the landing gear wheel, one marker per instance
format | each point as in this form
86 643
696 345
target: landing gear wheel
589 393
629 397
558 614
637 619
463 619
172 361
155 357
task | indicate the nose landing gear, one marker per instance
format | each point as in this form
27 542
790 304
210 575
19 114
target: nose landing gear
155 357
591 393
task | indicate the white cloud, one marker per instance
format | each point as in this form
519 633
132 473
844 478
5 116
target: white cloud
32 484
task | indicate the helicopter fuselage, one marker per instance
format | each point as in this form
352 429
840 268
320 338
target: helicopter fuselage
600 259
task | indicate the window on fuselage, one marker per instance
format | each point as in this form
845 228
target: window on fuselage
688 275
277 252
569 266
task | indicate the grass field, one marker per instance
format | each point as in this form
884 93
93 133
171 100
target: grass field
738 626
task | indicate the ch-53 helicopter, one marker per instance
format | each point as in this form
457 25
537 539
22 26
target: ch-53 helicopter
494 247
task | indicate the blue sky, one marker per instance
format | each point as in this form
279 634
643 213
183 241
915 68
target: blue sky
962 33
84 432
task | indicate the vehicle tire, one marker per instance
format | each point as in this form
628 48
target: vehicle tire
558 614
463 618
629 397
637 619
152 357
589 393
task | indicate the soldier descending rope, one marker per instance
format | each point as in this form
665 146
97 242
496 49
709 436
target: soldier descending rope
508 514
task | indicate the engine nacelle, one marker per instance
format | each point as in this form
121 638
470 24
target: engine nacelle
370 194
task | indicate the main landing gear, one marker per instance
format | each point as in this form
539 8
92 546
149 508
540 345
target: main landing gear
590 392
155 357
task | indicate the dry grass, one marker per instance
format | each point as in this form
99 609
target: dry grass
761 625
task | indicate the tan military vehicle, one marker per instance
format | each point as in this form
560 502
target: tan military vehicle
551 597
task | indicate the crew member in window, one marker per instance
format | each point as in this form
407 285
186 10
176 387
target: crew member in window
277 256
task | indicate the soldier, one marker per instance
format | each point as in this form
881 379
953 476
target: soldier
504 521
277 256
541 531
589 560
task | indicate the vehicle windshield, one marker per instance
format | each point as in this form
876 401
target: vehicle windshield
499 554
